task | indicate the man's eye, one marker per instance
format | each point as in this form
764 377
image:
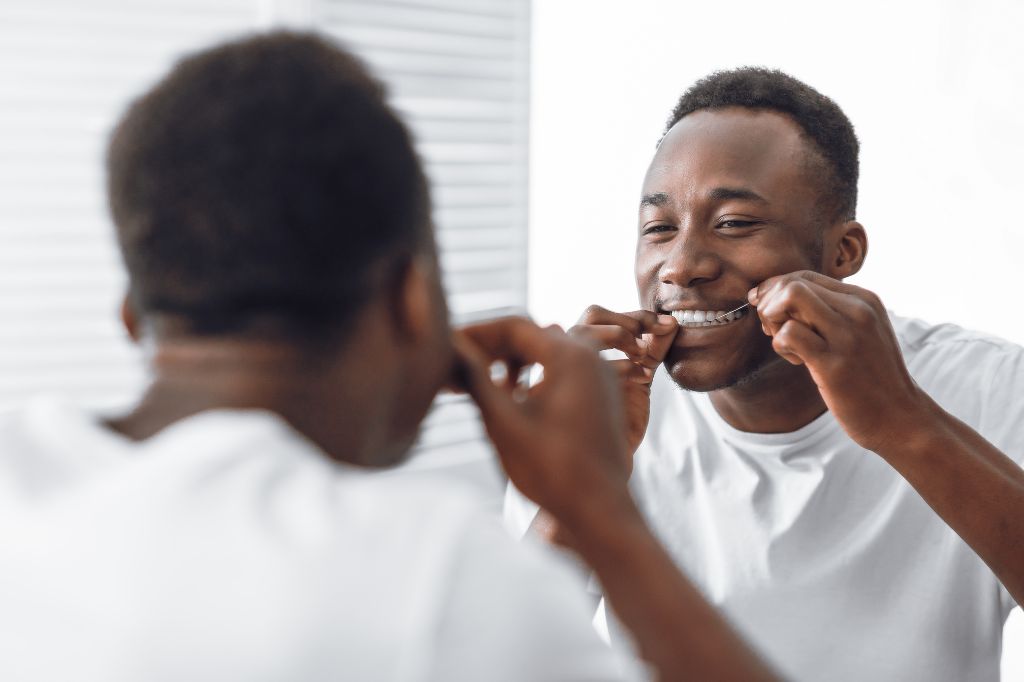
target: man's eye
654 229
738 223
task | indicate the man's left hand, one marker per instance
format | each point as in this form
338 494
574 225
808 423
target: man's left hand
842 334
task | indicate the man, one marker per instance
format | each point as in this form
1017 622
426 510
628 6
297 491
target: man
814 477
234 525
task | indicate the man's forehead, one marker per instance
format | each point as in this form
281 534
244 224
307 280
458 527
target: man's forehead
731 147
735 125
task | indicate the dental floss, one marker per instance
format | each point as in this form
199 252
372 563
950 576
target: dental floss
718 318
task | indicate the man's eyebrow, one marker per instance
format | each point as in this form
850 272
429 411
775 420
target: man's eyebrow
656 199
742 193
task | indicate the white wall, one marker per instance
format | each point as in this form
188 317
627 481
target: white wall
934 90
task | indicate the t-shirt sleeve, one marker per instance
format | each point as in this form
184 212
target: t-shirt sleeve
514 612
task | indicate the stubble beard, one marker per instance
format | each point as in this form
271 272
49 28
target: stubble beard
750 372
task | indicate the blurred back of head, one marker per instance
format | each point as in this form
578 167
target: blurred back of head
265 179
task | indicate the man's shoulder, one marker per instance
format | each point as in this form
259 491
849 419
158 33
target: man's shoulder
57 458
916 336
978 377
947 355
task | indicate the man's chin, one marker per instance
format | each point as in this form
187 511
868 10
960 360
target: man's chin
690 376
697 383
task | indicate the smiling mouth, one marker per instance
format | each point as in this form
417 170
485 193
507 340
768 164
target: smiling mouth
689 319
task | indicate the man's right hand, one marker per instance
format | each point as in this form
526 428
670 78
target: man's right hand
645 337
562 441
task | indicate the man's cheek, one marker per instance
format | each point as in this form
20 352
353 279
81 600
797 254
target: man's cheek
647 290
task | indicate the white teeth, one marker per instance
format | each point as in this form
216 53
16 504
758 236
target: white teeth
706 318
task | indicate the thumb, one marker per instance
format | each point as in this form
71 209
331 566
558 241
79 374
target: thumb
495 404
659 343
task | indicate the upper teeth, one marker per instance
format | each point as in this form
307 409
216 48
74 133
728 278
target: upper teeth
705 318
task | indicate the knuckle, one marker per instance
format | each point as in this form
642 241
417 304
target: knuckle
862 313
593 313
874 300
866 296
578 330
783 336
648 318
522 324
787 294
797 290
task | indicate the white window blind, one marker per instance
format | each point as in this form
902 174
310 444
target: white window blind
458 70
67 69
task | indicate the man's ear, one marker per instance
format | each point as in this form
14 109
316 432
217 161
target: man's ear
129 319
415 300
846 247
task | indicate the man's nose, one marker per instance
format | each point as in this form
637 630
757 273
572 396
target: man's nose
691 261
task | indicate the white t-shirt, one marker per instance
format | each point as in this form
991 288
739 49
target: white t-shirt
228 547
823 556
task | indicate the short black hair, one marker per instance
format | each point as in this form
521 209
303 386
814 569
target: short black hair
822 121
266 177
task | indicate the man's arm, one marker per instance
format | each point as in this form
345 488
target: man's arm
973 486
562 443
843 335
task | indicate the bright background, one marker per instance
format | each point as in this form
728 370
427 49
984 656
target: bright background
934 90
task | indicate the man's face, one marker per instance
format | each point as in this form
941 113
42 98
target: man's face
729 200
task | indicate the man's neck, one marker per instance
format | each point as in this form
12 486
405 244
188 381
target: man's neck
197 376
780 398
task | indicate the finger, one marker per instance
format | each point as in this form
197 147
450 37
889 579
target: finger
513 339
799 344
518 376
606 336
855 303
458 379
495 403
798 300
637 322
507 373
658 344
830 283
627 370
